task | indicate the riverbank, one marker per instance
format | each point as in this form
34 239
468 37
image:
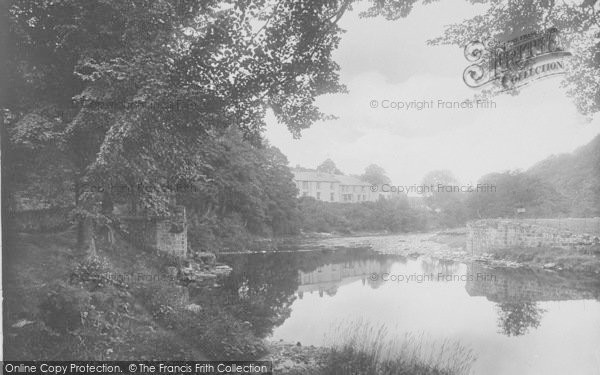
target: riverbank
364 348
130 304
123 304
451 245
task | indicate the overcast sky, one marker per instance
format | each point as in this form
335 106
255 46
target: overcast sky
390 60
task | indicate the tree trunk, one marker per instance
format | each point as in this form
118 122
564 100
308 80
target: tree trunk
85 237
107 204
107 210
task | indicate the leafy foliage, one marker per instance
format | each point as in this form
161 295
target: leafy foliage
375 175
328 166
248 190
577 22
126 91
392 215
515 190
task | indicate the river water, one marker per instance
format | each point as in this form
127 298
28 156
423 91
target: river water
515 321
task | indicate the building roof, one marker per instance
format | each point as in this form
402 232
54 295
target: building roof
327 177
313 176
351 180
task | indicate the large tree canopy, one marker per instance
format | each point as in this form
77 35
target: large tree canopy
106 92
577 21
125 89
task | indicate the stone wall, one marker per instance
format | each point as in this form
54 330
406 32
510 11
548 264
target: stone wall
167 234
42 220
171 234
485 235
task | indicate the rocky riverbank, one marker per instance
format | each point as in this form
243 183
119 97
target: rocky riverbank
295 359
451 245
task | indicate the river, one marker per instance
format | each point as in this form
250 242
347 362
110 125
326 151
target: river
514 320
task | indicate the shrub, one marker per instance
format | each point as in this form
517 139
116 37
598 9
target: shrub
165 301
63 309
94 272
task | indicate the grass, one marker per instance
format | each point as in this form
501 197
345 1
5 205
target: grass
364 348
571 260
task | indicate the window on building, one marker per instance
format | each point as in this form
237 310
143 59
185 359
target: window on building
355 189
332 186
305 184
358 197
362 189
364 197
318 185
331 197
318 195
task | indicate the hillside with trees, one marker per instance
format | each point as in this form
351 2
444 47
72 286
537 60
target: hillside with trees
575 176
564 185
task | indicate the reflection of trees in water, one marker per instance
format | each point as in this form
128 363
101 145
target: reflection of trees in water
515 319
261 288
435 266
525 285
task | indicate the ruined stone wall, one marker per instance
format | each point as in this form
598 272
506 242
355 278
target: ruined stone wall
485 235
42 220
167 234
170 239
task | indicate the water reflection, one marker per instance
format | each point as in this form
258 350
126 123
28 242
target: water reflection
511 285
262 287
501 313
519 291
516 319
326 279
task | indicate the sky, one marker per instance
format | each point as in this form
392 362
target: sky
384 62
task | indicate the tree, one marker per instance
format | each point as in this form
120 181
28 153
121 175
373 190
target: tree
439 177
578 23
132 88
438 187
446 197
375 175
328 166
513 190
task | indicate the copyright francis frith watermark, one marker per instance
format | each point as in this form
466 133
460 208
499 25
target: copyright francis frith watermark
515 63
433 188
419 278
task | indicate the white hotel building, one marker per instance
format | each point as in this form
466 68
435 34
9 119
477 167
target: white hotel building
333 187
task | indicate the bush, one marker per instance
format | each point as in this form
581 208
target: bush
392 215
165 301
94 272
63 309
213 329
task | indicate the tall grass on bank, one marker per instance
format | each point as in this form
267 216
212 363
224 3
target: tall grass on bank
363 348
